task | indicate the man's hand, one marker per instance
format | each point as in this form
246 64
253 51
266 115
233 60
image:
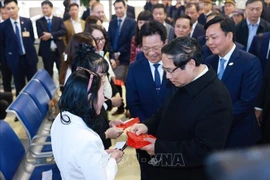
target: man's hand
116 56
113 63
139 129
46 36
258 114
113 132
150 148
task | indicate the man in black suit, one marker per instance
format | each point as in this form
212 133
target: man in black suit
130 12
50 30
87 12
195 119
17 45
192 10
252 25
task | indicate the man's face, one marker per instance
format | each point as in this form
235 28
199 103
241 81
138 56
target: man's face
151 46
182 27
229 8
154 2
159 15
47 10
73 11
177 76
217 40
12 10
4 14
99 11
120 9
237 18
254 11
192 13
207 7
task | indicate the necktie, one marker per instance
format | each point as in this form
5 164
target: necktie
17 31
221 68
117 33
49 25
157 78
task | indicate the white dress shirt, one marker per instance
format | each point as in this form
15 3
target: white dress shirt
76 26
79 152
226 57
160 70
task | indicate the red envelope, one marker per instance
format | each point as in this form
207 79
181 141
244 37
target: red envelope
129 123
138 141
118 82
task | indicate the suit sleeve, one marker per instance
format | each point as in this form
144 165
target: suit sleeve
211 131
65 38
251 85
31 31
39 28
126 46
132 96
2 42
253 47
61 31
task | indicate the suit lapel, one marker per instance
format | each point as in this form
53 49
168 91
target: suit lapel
215 63
10 29
231 64
265 44
71 26
23 28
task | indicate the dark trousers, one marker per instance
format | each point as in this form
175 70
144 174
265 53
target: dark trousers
6 76
22 70
145 168
49 59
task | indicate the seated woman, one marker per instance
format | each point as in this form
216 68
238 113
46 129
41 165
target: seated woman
77 148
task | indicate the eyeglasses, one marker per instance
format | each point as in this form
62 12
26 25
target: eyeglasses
91 74
98 40
169 70
148 49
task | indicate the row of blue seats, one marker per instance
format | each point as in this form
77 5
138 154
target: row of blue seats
30 107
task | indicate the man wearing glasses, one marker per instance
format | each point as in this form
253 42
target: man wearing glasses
146 83
195 119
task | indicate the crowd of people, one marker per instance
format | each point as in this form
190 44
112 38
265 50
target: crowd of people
197 76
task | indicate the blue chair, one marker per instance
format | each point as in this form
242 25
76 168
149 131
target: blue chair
46 80
38 93
14 164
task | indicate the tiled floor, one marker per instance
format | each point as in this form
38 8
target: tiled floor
128 168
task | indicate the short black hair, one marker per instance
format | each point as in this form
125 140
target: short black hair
158 6
9 1
252 1
47 2
184 16
183 49
122 1
153 27
197 7
73 4
226 24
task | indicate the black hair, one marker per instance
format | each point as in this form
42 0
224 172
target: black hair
9 1
75 97
184 16
47 2
252 1
146 16
158 6
226 24
122 1
73 4
154 27
183 49
197 7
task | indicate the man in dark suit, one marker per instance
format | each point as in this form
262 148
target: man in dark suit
195 119
207 9
87 12
17 44
50 30
192 10
143 95
260 48
252 25
242 75
130 12
120 33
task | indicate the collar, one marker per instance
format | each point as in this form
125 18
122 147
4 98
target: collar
257 23
122 18
50 17
75 119
13 20
199 83
151 64
202 73
228 55
208 13
73 21
194 25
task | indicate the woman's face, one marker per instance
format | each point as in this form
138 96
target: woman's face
141 23
100 100
98 35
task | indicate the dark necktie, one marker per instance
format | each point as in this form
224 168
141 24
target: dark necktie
157 78
49 25
221 68
117 33
17 31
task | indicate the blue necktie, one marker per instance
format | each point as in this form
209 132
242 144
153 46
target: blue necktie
49 25
157 78
221 68
18 38
117 33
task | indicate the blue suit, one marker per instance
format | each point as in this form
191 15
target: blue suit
126 34
243 79
142 98
21 66
198 31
